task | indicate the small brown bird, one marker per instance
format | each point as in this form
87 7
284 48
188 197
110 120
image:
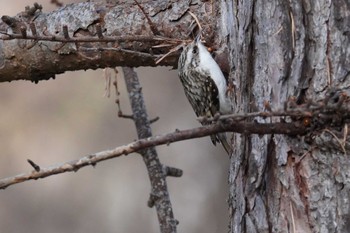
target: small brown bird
204 84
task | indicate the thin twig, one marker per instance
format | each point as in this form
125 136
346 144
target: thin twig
170 52
341 143
244 116
7 36
292 215
151 24
117 99
154 120
107 74
34 165
136 53
57 3
197 20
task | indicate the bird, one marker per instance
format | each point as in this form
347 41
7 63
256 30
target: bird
204 84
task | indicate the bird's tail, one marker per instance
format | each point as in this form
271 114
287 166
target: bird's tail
222 138
225 143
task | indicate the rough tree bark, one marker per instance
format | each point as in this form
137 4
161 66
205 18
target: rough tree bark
280 49
275 50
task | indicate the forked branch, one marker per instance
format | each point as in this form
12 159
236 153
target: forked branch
160 198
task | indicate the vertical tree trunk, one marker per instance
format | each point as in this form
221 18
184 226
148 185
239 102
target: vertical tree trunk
280 49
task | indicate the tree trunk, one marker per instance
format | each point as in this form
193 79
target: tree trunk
283 49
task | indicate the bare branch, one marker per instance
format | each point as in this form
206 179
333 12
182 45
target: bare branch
141 144
97 35
333 110
244 116
156 173
64 39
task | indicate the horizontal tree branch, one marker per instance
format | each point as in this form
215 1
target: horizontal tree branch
92 35
178 135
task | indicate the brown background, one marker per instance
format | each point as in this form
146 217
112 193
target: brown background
66 118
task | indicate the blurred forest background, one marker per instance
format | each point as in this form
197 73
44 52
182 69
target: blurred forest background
67 118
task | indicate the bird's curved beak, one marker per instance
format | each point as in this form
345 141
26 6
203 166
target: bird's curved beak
198 37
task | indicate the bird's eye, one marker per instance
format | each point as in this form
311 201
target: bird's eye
195 50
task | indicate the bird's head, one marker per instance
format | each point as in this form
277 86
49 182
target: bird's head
192 54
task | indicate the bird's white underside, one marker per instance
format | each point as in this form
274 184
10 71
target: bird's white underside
208 63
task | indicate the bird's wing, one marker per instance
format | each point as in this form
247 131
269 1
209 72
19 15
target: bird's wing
203 94
213 97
